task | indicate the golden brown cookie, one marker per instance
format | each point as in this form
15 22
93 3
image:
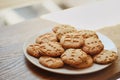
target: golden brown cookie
51 62
93 46
85 64
52 49
34 50
88 33
61 29
46 37
62 26
105 57
73 56
72 40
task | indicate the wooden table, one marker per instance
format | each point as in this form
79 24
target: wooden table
14 65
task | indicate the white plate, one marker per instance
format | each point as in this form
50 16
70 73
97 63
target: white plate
108 44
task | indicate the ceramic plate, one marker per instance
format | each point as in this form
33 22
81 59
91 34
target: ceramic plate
108 44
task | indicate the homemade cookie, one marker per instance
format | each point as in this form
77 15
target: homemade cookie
51 62
87 63
106 56
88 33
34 50
73 56
60 30
93 46
46 37
62 27
72 40
52 49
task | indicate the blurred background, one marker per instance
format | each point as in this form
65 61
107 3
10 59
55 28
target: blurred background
16 11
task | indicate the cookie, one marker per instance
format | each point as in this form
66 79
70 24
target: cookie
93 46
52 49
46 37
85 64
73 56
62 27
51 62
34 50
60 30
72 40
88 33
105 57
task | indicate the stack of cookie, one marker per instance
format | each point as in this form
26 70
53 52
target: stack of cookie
67 45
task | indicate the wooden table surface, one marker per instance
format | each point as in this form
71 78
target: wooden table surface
14 65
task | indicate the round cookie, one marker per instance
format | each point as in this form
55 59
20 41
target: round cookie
62 27
88 33
93 46
72 40
52 49
51 62
60 30
73 56
46 37
105 57
87 63
34 50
